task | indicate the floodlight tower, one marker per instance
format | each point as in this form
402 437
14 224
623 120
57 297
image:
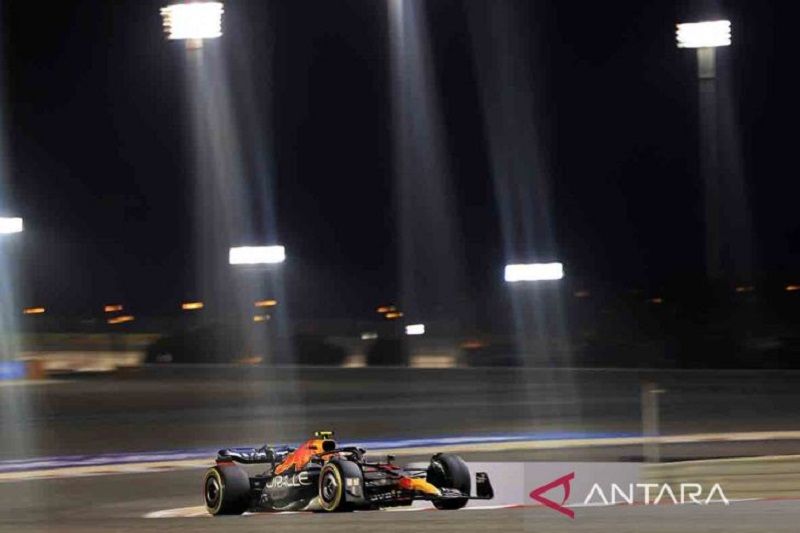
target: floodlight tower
193 22
706 37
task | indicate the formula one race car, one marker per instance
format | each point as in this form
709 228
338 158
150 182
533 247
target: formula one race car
319 476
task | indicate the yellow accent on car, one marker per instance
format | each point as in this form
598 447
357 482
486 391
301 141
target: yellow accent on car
419 484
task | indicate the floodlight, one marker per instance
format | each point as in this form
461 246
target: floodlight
193 20
415 329
704 34
10 225
534 272
256 255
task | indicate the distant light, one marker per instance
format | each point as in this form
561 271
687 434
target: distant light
121 319
472 344
10 225
386 309
193 21
432 361
582 294
33 311
534 272
393 315
192 306
369 336
415 329
745 288
257 255
656 300
261 318
266 303
704 34
792 288
112 308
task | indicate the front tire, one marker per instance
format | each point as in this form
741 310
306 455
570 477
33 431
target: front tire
226 490
449 471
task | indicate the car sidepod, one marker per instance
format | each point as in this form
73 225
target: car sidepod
289 491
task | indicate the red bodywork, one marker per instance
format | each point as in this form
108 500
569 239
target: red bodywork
298 459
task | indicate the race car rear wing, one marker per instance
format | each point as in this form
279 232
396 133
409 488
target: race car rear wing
251 456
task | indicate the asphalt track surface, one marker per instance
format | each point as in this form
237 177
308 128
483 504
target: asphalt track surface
120 503
215 407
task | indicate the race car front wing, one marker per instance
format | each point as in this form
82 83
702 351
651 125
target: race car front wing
384 492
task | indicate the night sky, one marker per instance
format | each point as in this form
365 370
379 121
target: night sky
100 157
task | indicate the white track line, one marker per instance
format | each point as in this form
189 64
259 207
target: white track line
180 512
200 511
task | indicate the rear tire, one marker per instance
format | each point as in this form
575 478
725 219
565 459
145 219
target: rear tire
331 489
449 471
226 490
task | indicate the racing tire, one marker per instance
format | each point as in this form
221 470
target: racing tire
449 471
226 490
331 489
